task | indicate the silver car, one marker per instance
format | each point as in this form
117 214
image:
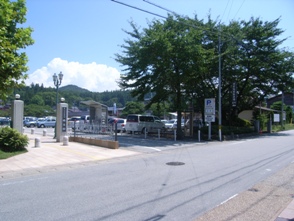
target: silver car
30 122
48 122
121 123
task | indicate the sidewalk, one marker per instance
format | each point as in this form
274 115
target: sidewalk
287 214
54 156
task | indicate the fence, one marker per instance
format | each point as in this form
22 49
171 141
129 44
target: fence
107 131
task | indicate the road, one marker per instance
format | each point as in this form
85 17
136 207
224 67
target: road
179 182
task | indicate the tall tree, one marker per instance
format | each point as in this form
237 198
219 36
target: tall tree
14 38
133 107
177 60
252 58
163 59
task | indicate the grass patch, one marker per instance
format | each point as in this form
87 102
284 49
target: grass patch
5 155
277 128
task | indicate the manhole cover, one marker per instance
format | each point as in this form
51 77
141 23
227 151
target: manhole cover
175 163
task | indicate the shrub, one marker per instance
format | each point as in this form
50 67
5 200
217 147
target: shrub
238 122
228 130
11 140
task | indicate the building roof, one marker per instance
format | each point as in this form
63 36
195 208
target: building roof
266 109
92 103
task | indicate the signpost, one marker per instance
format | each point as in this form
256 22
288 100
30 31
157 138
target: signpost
209 109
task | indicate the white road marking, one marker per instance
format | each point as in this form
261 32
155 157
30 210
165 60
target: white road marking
152 148
229 199
23 181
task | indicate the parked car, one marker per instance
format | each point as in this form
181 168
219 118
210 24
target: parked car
75 119
197 124
85 118
74 122
112 120
5 121
41 119
172 124
30 122
121 123
27 117
48 122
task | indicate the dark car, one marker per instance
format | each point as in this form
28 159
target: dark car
112 121
5 122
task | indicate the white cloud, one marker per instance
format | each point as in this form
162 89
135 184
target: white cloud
94 77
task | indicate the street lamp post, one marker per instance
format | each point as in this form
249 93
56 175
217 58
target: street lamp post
57 82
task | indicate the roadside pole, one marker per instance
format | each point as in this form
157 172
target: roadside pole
209 105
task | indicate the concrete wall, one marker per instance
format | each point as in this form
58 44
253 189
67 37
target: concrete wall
101 143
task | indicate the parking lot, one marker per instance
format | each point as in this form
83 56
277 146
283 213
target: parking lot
135 142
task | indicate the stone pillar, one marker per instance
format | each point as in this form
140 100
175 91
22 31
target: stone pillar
61 121
17 114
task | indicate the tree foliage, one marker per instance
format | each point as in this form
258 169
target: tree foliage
40 101
178 61
255 62
14 38
289 112
133 108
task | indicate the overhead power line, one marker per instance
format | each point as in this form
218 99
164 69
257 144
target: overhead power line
239 9
143 10
158 6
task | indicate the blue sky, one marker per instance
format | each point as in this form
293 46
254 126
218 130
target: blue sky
80 37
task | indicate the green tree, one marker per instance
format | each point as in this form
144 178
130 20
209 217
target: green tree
252 58
178 60
161 59
49 98
133 108
37 99
289 112
13 39
159 109
37 110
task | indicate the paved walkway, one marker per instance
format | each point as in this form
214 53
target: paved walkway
52 156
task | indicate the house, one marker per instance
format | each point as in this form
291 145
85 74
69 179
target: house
288 100
248 114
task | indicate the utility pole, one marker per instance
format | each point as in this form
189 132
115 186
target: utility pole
219 87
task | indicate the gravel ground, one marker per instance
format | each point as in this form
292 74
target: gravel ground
263 202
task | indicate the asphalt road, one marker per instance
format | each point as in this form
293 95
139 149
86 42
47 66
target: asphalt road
178 182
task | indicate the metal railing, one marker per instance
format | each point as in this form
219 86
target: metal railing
109 131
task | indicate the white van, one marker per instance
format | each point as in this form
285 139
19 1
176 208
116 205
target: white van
137 123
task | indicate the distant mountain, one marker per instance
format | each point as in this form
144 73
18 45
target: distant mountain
73 88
